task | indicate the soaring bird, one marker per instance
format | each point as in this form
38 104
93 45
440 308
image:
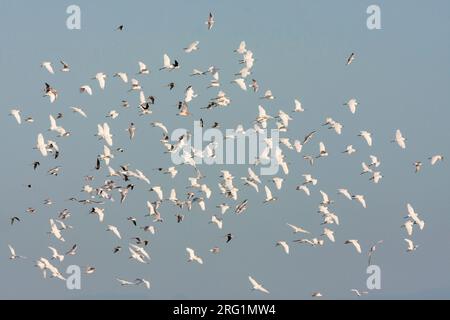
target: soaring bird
284 245
351 58
256 286
411 246
356 244
352 104
14 256
399 139
193 256
210 22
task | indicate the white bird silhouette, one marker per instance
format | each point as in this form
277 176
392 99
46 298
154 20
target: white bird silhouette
14 256
16 114
56 255
114 230
329 233
360 199
122 75
298 229
400 140
345 193
256 286
298 106
54 230
101 78
142 70
356 244
435 159
352 104
269 196
210 22
193 257
284 245
79 111
48 66
192 47
411 246
86 89
366 136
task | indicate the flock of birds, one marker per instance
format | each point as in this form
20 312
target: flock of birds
122 179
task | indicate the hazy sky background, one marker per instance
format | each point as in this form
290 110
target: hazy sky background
401 79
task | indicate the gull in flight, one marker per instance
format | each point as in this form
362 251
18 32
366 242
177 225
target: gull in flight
360 199
101 78
367 136
51 93
142 70
352 104
256 286
408 225
56 255
16 114
309 180
65 66
54 230
355 243
124 283
99 212
241 83
14 256
411 246
79 111
218 222
376 177
193 257
254 85
325 199
349 150
48 66
223 208
305 189
372 251
399 139
210 22
350 59
415 217
268 95
269 196
122 75
323 151
284 245
114 230
144 282
242 48
298 229
329 233
41 145
192 47
278 182
167 65
418 166
435 159
359 293
86 89
103 132
158 192
298 106
374 162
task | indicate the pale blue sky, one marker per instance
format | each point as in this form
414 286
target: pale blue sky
401 79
